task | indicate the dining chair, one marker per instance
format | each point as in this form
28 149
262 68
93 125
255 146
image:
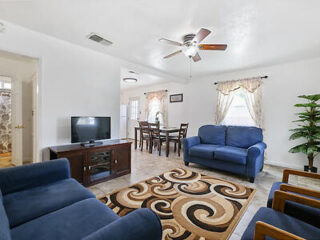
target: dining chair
156 139
144 134
177 139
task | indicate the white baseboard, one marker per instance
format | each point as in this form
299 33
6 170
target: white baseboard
27 159
284 165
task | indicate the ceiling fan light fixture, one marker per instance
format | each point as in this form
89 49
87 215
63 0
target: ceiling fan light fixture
190 51
130 80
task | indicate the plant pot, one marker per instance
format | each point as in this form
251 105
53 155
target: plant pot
312 169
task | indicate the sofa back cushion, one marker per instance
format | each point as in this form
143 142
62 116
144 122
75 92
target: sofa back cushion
4 222
243 137
212 134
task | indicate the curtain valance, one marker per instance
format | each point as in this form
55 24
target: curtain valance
249 84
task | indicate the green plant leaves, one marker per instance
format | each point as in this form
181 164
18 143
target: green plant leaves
313 98
310 129
312 149
297 135
300 148
311 105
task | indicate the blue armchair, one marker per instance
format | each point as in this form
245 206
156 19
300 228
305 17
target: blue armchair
236 149
273 223
305 213
41 201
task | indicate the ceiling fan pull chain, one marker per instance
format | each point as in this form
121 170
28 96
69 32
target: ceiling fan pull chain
190 74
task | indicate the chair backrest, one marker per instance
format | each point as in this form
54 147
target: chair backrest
154 130
183 130
144 128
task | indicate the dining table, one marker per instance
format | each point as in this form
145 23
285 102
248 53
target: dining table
166 130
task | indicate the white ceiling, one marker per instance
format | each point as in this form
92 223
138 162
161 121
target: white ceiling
258 32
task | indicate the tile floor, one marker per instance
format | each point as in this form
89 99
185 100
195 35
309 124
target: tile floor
145 165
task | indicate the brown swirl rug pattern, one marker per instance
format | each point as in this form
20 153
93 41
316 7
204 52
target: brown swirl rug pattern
189 204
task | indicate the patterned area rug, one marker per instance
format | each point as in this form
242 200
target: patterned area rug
189 204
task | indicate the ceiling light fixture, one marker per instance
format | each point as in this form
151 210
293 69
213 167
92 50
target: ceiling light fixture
190 51
2 27
130 80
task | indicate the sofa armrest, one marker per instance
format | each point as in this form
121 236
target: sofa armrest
255 159
142 223
190 141
28 176
255 150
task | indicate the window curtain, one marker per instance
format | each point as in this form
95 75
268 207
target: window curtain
157 102
5 124
251 88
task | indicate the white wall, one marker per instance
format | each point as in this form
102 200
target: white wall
280 91
73 81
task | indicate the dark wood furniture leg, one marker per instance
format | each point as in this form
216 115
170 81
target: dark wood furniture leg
135 138
167 144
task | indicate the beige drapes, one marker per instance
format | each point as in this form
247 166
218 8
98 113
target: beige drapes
251 88
157 101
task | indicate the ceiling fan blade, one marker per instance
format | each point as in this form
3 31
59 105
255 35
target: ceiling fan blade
202 34
221 47
196 57
172 54
170 42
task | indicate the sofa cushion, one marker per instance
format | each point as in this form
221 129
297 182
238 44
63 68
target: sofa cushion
243 137
4 224
232 154
282 221
73 222
211 134
203 151
303 212
31 203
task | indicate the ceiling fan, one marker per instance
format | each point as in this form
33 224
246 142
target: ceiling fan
191 45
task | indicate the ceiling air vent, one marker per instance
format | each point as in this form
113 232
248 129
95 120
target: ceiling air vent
95 37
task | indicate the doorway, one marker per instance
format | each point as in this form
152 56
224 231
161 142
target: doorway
18 109
6 122
134 115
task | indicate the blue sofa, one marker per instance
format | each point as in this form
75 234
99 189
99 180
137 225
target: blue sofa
236 149
41 201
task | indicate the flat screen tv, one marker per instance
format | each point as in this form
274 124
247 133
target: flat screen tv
90 129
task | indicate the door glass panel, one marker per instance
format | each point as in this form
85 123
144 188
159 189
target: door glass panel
100 165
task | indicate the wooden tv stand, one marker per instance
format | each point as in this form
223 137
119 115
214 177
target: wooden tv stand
93 164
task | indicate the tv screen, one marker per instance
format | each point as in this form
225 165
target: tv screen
84 129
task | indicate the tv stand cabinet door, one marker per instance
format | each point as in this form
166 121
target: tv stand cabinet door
77 166
122 159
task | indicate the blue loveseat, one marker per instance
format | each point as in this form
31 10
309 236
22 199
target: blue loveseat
236 149
41 201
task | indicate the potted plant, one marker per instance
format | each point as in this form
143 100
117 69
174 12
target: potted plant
157 121
308 129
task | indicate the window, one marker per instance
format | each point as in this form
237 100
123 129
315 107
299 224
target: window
154 107
134 109
5 82
238 113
